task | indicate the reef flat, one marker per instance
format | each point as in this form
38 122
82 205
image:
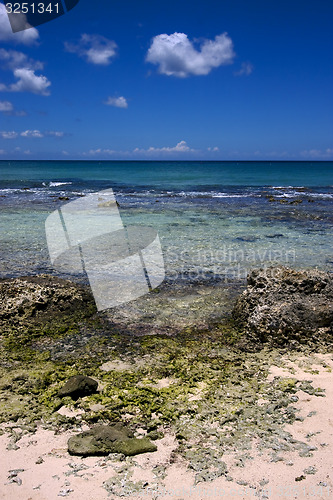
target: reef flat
192 363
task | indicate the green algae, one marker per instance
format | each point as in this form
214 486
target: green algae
209 387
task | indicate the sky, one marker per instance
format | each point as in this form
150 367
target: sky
175 80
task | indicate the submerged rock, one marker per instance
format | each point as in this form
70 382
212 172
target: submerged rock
78 386
282 305
105 439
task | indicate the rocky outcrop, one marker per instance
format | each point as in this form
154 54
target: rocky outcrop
42 304
105 439
78 386
281 305
28 297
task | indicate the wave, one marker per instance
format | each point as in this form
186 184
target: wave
56 184
184 194
299 194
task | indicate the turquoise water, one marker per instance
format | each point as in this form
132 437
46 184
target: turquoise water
164 175
216 220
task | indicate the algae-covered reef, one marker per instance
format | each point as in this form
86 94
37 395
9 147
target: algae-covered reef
205 382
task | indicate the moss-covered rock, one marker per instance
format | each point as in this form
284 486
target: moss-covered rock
78 386
105 439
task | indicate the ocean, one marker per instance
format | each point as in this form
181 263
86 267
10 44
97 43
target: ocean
215 220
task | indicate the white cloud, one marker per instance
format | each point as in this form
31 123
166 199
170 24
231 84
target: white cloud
8 135
181 147
176 55
246 69
95 49
32 133
65 153
27 152
35 134
14 59
214 149
6 106
24 70
27 37
318 153
55 133
99 151
167 151
2 152
28 82
118 102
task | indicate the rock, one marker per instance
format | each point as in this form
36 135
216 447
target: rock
42 305
27 297
154 435
105 439
78 386
282 305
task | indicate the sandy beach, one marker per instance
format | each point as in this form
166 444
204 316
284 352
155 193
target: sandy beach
42 469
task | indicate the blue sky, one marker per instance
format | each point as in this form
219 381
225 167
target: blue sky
215 80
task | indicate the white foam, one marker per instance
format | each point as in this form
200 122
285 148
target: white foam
55 184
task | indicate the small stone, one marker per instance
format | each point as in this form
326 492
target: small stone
17 480
65 492
311 414
14 472
276 458
300 478
310 470
78 386
39 460
12 446
155 435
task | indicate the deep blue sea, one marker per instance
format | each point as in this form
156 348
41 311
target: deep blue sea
216 220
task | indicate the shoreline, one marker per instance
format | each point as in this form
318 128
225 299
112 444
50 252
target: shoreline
227 411
50 472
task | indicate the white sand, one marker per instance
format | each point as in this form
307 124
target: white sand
82 478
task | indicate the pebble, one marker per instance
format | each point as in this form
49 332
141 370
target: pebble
310 470
64 492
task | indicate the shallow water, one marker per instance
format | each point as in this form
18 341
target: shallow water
215 219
